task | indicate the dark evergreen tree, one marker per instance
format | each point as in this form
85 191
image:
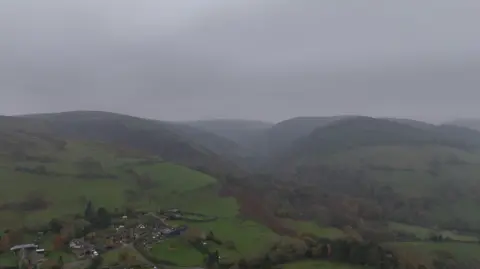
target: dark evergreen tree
103 218
89 211
55 225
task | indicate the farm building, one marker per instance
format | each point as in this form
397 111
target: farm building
76 243
24 246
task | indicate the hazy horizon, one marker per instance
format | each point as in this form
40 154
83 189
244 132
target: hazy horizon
265 60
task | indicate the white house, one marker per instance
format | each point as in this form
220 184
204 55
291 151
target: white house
76 244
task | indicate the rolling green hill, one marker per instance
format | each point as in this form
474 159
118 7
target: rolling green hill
114 160
40 185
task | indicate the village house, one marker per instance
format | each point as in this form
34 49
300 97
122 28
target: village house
28 253
24 246
76 243
82 249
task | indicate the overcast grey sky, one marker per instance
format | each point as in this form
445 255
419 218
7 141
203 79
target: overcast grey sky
254 59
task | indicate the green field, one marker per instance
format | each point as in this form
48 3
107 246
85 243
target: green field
204 200
178 251
425 252
66 194
175 177
424 233
308 227
174 186
112 257
55 255
318 265
248 239
402 157
8 259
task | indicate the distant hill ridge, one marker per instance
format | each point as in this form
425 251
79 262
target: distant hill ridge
159 138
223 142
366 131
473 124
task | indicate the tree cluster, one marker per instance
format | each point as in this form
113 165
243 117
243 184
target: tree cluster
345 251
100 219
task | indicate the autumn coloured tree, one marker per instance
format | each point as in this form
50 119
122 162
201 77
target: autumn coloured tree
58 242
15 237
5 242
67 231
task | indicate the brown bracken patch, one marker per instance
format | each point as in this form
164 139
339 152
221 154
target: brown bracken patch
252 207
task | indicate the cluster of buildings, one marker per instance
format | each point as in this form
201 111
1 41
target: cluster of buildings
160 231
150 229
82 249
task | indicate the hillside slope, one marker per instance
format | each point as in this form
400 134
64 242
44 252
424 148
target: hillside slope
283 134
153 137
473 124
424 176
238 131
218 144
364 131
248 134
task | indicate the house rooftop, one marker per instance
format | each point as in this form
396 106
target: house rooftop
17 247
